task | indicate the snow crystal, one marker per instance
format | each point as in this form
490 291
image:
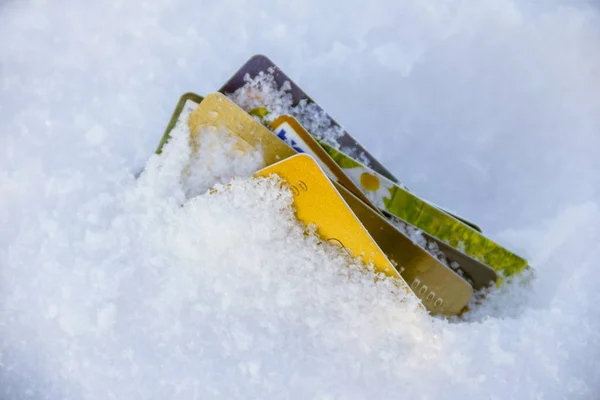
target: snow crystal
113 287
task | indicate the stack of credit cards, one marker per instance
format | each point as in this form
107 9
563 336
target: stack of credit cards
340 188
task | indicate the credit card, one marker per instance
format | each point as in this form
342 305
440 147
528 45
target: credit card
317 202
394 199
440 289
217 111
260 63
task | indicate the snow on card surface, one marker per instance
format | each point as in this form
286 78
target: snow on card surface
117 288
263 91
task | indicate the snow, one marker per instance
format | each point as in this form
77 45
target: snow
262 91
112 287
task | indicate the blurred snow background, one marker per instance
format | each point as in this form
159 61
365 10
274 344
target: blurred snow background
110 290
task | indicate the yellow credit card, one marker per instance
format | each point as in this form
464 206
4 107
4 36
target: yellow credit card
317 202
288 129
218 112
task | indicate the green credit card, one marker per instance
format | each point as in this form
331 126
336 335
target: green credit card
396 200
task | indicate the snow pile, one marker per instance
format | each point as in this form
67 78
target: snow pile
192 293
112 287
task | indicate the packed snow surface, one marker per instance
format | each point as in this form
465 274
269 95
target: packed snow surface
113 287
